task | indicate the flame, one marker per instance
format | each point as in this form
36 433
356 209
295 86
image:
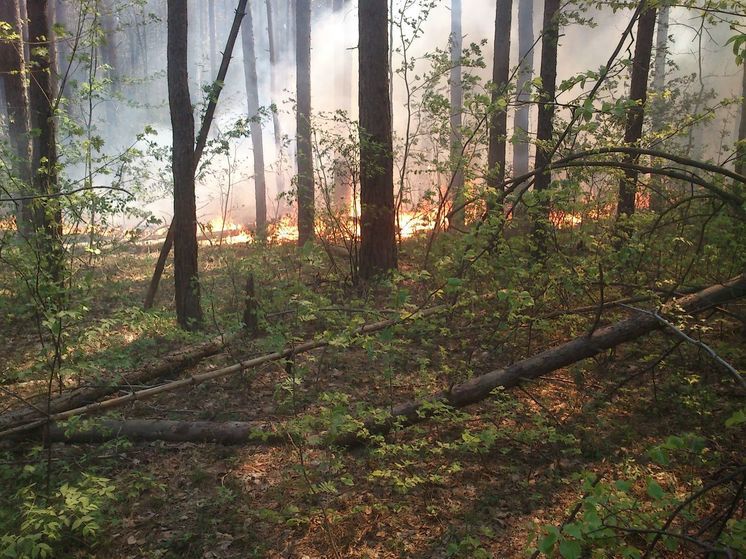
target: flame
283 230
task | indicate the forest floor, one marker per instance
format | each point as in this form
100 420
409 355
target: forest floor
478 483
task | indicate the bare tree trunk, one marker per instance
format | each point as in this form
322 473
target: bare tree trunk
659 84
255 126
109 49
47 213
545 124
377 231
213 38
635 115
500 75
344 72
525 75
457 107
204 131
274 92
13 74
740 166
186 271
303 116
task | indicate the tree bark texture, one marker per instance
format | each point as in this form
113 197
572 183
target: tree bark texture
47 212
255 125
521 123
638 93
378 231
306 210
499 108
457 107
13 74
186 273
274 91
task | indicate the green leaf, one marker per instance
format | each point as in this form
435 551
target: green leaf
738 418
570 549
655 490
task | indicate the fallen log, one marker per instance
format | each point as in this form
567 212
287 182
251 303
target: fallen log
148 430
479 388
204 377
172 363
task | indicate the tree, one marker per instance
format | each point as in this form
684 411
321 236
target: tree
525 75
303 120
740 166
42 99
544 125
186 274
457 107
658 86
638 91
255 125
499 108
12 72
273 71
378 231
213 38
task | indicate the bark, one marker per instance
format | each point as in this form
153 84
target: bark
525 75
480 388
204 377
170 364
109 55
457 107
199 147
47 213
213 37
186 272
13 71
306 209
635 115
344 71
255 125
740 166
274 91
545 121
378 231
499 108
659 85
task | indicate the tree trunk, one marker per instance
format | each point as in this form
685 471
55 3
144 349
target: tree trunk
545 126
13 72
525 75
213 38
47 213
344 71
638 94
457 107
740 166
659 85
378 231
274 91
109 54
186 273
499 108
204 131
255 125
303 118
481 387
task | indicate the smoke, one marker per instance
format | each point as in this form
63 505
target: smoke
228 180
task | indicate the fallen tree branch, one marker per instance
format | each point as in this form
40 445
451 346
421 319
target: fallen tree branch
479 388
204 377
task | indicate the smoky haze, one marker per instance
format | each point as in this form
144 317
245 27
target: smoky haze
228 179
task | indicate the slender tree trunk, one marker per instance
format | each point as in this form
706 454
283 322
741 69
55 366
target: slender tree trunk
274 92
635 115
213 38
545 122
378 231
13 74
740 166
457 107
525 75
303 113
344 72
255 126
47 213
658 107
500 76
109 54
186 274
